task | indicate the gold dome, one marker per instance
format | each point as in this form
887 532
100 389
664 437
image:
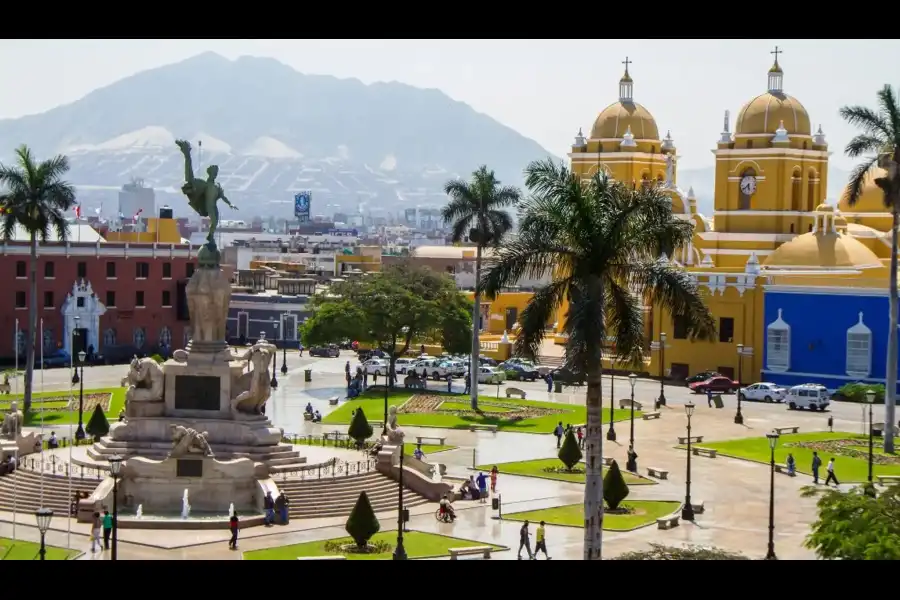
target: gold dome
823 251
615 119
871 199
826 208
764 113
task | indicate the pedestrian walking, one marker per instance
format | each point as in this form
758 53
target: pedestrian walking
107 528
709 398
541 542
631 463
580 435
481 480
558 432
468 384
494 472
233 526
831 423
549 383
282 503
831 475
816 463
524 541
269 506
95 532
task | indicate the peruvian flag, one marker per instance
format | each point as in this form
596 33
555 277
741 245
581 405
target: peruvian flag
77 211
137 214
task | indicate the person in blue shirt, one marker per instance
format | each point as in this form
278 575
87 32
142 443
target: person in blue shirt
481 480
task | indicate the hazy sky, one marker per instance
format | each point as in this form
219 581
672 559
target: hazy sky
545 89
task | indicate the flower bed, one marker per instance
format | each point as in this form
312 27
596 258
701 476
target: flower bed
426 403
849 448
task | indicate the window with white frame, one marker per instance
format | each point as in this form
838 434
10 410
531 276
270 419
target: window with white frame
778 345
859 349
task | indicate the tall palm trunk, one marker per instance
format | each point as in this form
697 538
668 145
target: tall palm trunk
476 317
890 396
593 484
32 328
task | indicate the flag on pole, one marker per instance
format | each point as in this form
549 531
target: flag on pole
77 211
137 214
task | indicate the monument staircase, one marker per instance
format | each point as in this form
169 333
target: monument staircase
22 490
336 497
550 361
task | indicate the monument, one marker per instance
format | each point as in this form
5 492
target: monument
196 424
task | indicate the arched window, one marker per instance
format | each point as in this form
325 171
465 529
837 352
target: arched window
778 345
796 189
48 341
139 337
165 337
745 198
645 180
859 349
109 337
811 190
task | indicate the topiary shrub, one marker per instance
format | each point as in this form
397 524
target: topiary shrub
856 392
660 552
615 490
158 359
98 426
570 453
359 429
362 523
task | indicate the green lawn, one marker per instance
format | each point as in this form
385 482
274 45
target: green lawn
373 405
62 416
408 448
572 515
19 550
417 544
851 462
535 468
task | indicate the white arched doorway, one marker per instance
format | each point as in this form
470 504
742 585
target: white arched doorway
81 317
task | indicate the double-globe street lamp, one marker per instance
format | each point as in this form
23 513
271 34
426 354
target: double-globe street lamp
43 516
631 463
661 346
773 441
274 382
82 356
870 399
400 551
611 434
742 352
687 513
115 470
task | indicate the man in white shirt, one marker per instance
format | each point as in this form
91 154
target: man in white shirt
831 476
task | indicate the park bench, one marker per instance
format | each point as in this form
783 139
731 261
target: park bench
422 439
784 430
888 479
333 401
668 522
657 473
515 392
783 468
483 428
336 557
708 452
695 439
485 551
650 415
626 403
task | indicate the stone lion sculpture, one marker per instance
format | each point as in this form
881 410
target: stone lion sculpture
256 385
395 435
12 424
145 381
189 441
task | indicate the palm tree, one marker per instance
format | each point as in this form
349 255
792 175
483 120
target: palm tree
476 211
34 197
880 142
602 243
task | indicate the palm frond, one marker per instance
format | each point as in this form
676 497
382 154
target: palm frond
858 177
585 324
890 112
534 318
675 290
625 310
864 144
868 120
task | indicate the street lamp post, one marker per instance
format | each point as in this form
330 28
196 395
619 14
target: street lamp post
687 513
631 464
115 469
400 551
43 516
870 398
283 358
79 433
611 434
738 417
274 382
773 441
662 367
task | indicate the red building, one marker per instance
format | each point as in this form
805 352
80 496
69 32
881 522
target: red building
119 298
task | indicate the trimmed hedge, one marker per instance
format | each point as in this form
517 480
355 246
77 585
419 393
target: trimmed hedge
856 392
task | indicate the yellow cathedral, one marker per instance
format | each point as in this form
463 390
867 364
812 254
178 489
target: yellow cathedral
772 231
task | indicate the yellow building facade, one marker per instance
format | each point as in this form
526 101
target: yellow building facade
771 225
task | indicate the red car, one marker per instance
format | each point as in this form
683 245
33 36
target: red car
715 384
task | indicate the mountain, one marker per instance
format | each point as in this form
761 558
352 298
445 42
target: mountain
704 183
272 131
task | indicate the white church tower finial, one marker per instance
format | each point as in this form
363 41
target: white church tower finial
626 84
776 75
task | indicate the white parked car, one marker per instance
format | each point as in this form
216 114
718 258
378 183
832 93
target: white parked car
764 392
490 375
402 364
455 367
430 368
376 366
809 395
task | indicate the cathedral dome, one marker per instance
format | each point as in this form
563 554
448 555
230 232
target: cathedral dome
871 199
817 250
764 114
615 120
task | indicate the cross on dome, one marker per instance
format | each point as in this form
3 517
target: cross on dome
776 75
627 62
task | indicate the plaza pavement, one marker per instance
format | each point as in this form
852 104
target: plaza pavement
735 492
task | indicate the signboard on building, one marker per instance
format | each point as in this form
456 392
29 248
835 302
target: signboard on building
302 201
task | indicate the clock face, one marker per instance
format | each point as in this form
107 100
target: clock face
748 185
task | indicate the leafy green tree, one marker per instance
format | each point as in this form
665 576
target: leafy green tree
97 426
362 523
360 429
476 211
855 525
34 197
570 453
660 552
879 142
615 490
602 241
388 309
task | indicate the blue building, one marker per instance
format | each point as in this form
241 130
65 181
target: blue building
826 335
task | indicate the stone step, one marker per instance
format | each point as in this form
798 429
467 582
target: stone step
321 512
343 496
114 446
29 478
328 484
